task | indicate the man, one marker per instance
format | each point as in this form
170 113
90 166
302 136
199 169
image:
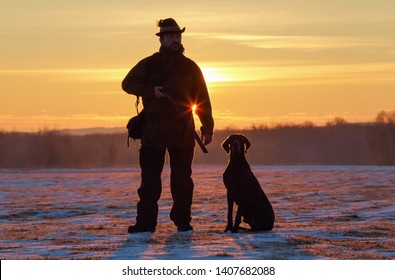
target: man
164 128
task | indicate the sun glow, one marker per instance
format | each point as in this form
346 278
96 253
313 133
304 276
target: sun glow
215 75
229 74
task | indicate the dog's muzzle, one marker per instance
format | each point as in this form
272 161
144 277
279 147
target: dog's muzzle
237 147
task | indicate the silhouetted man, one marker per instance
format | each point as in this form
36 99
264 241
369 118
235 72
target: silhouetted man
164 127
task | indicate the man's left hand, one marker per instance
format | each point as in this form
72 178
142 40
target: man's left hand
206 139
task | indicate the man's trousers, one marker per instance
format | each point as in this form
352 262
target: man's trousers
151 162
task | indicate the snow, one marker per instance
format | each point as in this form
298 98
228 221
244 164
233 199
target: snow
322 212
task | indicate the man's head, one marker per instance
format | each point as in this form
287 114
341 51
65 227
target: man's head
170 34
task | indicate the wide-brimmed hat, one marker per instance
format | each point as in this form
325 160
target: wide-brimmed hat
167 26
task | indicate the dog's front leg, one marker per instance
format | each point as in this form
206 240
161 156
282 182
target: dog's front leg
229 225
237 220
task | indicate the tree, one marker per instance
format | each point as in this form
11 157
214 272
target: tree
382 138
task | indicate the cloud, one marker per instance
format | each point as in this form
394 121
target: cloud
109 74
52 121
223 74
227 119
306 43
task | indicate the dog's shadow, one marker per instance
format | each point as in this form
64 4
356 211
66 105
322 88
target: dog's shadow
262 245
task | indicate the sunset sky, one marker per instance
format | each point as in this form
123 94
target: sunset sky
265 61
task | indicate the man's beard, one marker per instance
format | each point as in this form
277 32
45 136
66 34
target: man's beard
172 52
175 46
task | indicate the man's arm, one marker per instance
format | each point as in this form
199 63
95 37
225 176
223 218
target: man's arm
136 83
203 109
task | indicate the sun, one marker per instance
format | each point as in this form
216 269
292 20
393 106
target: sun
214 75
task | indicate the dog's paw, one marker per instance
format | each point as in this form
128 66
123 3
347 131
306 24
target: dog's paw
235 230
238 229
228 228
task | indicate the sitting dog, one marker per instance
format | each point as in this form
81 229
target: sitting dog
243 188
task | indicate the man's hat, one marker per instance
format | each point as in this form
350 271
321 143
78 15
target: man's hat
167 26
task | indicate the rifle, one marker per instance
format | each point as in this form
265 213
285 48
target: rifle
165 91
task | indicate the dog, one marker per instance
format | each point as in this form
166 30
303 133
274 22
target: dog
244 189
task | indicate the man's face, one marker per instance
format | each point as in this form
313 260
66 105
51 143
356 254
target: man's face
171 41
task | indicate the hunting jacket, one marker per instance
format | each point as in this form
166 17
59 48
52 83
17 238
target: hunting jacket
163 125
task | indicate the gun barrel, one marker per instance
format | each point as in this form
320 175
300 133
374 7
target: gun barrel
187 121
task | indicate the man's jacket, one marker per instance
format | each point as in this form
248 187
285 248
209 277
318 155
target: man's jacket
163 125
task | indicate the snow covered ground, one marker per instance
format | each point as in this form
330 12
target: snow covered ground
321 213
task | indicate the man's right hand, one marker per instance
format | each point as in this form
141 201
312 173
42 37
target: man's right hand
158 93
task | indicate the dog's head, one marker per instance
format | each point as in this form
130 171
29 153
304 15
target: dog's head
236 143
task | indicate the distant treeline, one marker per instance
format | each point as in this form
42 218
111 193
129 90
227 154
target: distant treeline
337 143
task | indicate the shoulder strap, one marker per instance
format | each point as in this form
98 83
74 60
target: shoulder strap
136 105
165 74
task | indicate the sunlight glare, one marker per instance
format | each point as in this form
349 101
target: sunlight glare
214 75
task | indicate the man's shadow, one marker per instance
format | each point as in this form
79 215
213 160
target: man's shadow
134 247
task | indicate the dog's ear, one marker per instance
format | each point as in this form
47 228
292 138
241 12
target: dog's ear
247 143
225 145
